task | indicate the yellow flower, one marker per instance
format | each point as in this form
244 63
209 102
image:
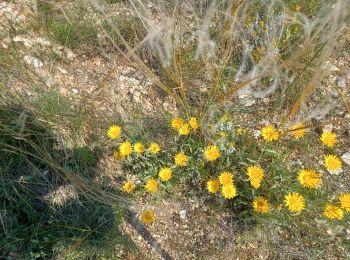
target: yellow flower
261 205
329 139
185 129
117 155
226 178
298 130
128 186
332 162
114 132
269 133
147 216
309 178
224 118
165 174
139 148
154 148
240 131
213 186
333 212
151 185
212 153
181 159
194 123
222 134
229 191
344 199
125 148
295 202
231 144
176 123
255 174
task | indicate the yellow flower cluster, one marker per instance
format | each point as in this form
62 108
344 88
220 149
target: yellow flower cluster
228 189
255 174
224 183
333 212
184 128
336 211
126 148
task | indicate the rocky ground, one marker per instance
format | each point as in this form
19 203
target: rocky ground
183 229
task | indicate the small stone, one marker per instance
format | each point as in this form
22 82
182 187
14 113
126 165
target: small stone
246 100
341 82
35 62
20 38
346 158
43 41
5 42
75 91
70 55
331 67
182 214
63 71
337 172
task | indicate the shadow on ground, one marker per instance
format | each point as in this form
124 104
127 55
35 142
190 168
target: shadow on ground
42 212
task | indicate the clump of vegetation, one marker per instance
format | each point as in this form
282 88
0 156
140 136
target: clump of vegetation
67 27
256 177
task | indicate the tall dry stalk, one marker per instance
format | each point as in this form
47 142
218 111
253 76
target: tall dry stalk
270 47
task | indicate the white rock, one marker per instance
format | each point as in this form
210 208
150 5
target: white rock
9 11
35 62
133 81
5 42
20 38
246 100
63 71
257 133
330 67
182 214
43 41
70 55
346 158
337 172
75 91
341 82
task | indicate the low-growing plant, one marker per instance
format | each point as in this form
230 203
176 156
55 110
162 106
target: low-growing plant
256 174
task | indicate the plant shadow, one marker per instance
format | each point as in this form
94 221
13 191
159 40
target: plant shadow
43 211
